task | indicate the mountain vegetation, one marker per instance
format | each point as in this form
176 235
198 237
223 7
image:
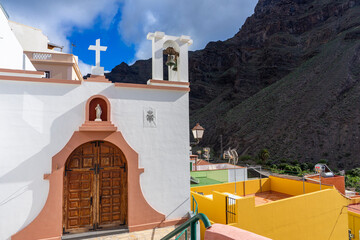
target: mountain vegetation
287 82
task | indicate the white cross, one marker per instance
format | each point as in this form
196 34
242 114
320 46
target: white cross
97 49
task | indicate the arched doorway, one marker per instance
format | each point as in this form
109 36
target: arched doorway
95 188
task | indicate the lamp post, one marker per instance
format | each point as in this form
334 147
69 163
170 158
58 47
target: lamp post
198 132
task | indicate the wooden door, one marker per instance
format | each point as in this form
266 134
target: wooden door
112 191
95 188
79 204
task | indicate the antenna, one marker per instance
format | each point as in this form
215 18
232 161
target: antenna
206 153
233 157
72 47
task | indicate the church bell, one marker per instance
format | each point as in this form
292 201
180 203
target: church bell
171 62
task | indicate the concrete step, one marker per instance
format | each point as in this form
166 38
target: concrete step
92 234
151 234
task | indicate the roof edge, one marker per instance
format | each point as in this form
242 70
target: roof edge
4 11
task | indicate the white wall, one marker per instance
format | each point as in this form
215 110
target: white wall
11 52
240 173
38 119
217 166
30 38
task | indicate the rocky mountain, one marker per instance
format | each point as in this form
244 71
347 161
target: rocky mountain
288 81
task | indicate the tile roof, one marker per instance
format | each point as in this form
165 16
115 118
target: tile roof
203 162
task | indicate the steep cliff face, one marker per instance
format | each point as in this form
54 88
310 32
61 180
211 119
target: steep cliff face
287 81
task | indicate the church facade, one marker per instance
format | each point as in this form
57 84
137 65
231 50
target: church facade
81 155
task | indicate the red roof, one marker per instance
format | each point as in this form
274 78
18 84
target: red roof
355 208
202 162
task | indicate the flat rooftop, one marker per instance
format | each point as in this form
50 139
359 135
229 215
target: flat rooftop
266 197
206 166
260 198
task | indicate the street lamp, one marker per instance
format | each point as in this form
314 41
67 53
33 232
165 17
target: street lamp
198 132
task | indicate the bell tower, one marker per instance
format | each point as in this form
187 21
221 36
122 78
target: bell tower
176 49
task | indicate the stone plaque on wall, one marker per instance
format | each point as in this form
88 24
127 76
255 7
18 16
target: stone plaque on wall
149 117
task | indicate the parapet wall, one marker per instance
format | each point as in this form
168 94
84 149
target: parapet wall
315 214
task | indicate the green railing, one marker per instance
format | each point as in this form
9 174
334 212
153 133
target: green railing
195 210
189 223
186 234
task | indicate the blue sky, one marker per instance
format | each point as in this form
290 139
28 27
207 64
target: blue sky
118 51
122 25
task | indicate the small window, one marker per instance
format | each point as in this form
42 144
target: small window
47 74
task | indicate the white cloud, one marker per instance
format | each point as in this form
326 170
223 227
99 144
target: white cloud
203 20
57 19
143 50
84 68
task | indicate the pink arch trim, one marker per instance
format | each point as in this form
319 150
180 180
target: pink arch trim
48 224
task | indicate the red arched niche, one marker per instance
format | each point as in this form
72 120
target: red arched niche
91 105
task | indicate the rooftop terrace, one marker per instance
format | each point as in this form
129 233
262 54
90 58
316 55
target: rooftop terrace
266 197
276 208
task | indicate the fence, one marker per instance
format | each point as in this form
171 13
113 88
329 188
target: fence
230 210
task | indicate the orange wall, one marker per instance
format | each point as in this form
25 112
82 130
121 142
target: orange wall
337 181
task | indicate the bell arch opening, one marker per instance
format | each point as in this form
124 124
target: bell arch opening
171 52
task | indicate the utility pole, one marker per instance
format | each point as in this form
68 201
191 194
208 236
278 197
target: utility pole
221 147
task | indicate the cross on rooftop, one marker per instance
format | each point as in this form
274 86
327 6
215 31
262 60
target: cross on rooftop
97 49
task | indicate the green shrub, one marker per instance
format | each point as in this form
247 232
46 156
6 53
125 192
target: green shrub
245 158
352 182
263 155
354 172
324 161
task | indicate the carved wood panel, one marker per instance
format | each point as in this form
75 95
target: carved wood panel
79 200
95 188
112 209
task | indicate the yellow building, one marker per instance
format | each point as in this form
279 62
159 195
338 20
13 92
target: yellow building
354 220
277 208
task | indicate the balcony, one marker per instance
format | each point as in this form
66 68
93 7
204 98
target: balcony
56 65
49 57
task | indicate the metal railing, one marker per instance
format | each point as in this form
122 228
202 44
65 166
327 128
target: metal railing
230 210
182 233
189 223
195 210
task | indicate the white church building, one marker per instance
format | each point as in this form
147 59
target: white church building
78 154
